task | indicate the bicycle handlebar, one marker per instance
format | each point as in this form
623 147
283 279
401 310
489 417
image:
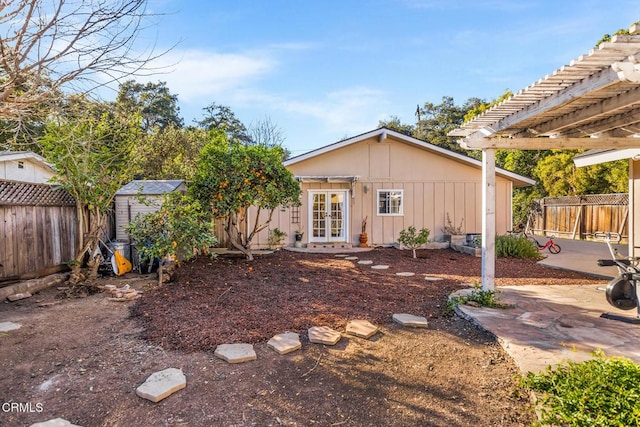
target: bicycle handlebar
607 236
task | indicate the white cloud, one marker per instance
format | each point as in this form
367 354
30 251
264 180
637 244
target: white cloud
196 74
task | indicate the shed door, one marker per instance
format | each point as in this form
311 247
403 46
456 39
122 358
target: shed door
328 216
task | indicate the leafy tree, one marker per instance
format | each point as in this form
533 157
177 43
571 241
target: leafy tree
180 228
91 153
232 177
156 105
48 45
220 117
169 153
413 239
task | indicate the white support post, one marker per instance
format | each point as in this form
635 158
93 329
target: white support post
488 219
631 228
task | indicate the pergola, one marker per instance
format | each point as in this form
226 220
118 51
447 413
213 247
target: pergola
592 103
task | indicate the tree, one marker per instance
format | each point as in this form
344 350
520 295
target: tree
232 177
265 132
220 117
47 45
180 228
169 153
91 153
156 105
394 123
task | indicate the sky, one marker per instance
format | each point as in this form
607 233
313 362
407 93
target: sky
324 70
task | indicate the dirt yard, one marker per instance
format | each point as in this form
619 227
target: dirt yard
82 359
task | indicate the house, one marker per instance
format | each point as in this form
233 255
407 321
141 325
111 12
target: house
140 197
392 181
25 166
593 102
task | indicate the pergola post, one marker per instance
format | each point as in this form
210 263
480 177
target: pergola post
488 219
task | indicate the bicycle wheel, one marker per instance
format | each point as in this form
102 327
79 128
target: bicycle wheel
554 248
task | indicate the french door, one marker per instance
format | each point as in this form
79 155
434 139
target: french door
328 216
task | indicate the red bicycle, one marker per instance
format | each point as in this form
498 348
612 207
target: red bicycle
553 247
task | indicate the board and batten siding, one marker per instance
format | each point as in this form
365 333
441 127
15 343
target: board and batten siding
128 207
433 186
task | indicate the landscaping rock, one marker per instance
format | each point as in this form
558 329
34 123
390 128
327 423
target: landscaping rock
410 320
351 258
380 267
56 422
341 255
235 353
9 326
285 343
162 384
433 278
405 274
324 335
365 262
361 328
17 297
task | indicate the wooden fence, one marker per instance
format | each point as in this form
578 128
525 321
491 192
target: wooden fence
579 217
38 229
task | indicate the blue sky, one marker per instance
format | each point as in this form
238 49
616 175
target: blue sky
324 70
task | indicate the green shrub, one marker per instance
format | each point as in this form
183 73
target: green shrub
276 236
412 239
598 392
478 296
516 247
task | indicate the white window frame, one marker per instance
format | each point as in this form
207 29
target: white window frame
390 190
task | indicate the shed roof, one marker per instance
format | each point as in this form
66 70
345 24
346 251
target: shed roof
383 133
149 187
593 102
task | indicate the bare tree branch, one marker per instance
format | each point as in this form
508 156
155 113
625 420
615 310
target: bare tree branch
47 46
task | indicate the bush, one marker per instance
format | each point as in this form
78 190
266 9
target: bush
598 392
413 240
478 296
516 247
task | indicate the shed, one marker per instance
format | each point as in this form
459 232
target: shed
141 197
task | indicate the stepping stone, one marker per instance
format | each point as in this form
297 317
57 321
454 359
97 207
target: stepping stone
351 258
9 326
235 353
365 262
411 320
380 267
405 274
56 422
341 255
162 384
433 278
361 328
285 343
324 335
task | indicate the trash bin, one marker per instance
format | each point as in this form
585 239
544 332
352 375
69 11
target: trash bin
121 248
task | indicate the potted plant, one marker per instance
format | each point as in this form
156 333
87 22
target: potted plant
298 238
363 234
454 235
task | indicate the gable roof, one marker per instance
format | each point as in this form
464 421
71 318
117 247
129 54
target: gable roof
384 133
149 187
8 156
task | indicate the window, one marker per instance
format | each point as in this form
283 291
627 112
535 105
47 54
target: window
20 164
389 202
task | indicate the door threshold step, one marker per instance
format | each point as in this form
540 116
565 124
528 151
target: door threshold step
335 245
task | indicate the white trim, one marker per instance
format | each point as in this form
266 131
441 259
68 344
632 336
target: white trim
587 159
7 156
388 190
518 180
345 216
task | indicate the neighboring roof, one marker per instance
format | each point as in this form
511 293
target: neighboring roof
384 133
21 193
149 187
7 156
594 157
598 94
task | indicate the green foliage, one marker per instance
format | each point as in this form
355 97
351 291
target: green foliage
276 236
516 247
478 297
598 392
394 123
413 239
157 107
180 228
222 118
482 106
451 229
232 177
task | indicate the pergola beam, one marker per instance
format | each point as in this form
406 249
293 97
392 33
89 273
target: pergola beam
561 143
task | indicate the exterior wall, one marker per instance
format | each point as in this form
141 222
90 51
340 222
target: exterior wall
128 207
433 186
33 172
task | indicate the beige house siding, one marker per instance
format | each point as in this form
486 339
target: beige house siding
432 184
26 170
